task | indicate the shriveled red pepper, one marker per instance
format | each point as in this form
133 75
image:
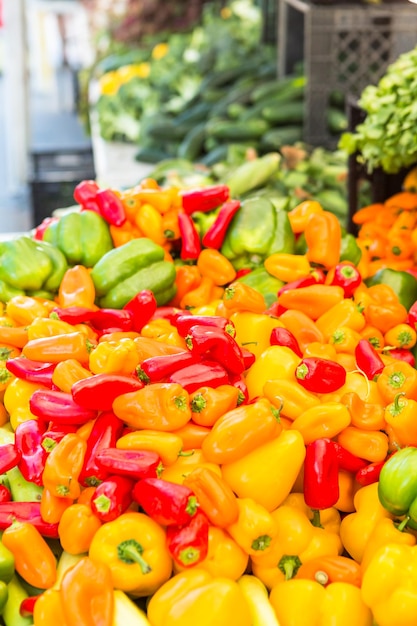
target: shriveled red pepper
85 194
111 207
28 439
98 392
320 375
26 512
73 314
135 464
190 239
368 359
192 377
346 276
59 407
142 306
157 368
204 199
216 344
10 455
106 431
184 323
166 503
283 337
321 476
215 235
116 319
112 497
188 544
32 371
348 461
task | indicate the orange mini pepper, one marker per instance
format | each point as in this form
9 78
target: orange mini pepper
216 266
320 350
344 313
287 267
187 279
34 560
149 220
63 467
69 372
77 527
24 309
347 490
328 419
202 294
300 214
330 569
241 297
77 288
192 435
16 336
52 506
49 609
401 416
374 336
167 445
385 316
371 445
401 336
345 339
254 529
313 300
58 348
225 558
87 594
364 415
289 397
185 464
214 495
367 213
323 235
302 327
208 404
397 377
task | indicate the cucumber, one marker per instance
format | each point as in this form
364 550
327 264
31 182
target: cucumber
275 138
229 75
276 86
235 110
165 129
194 114
237 130
237 95
336 121
151 155
192 144
284 113
275 100
217 154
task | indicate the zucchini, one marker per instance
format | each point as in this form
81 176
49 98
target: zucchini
192 144
275 138
237 130
284 113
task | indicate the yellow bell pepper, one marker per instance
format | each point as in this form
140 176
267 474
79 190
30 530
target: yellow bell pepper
114 357
356 528
254 330
255 592
268 473
275 363
134 547
254 529
297 541
386 531
162 330
302 602
389 585
195 597
329 518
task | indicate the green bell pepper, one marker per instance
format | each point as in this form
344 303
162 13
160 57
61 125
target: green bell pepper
397 486
284 239
403 283
7 292
83 237
251 230
6 564
263 282
124 271
59 266
23 264
349 249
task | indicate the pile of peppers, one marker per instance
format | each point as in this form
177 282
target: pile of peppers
243 453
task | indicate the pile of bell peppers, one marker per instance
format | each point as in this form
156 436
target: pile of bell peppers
232 443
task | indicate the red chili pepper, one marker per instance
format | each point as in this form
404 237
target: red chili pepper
348 461
248 358
215 343
348 277
306 281
166 503
369 474
169 313
59 407
204 199
73 314
184 322
112 497
40 230
402 354
104 434
412 315
156 368
26 512
190 239
120 319
28 439
215 235
284 337
10 456
110 207
321 476
85 194
98 392
188 544
205 373
136 464
54 434
27 605
142 306
320 375
5 494
368 359
32 371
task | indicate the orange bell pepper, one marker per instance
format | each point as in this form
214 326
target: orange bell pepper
241 297
302 327
77 528
160 406
87 594
216 266
287 267
323 235
63 467
401 416
328 419
77 288
313 300
58 348
215 497
397 377
34 560
371 445
301 214
208 404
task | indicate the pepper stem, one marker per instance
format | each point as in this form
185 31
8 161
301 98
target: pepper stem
321 577
289 565
130 551
401 526
316 521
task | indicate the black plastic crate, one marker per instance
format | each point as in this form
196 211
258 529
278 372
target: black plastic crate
54 176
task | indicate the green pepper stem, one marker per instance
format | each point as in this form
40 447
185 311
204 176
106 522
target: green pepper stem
289 565
403 524
130 551
316 521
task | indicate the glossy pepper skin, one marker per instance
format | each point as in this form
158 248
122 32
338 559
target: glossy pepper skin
346 276
135 464
28 439
190 239
191 377
320 375
110 207
106 431
142 306
321 475
138 265
112 497
188 544
204 199
59 407
403 284
368 360
156 369
33 371
397 487
165 502
98 392
85 193
261 280
216 344
214 236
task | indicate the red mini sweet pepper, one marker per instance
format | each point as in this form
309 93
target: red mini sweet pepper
368 359
321 476
183 323
116 319
27 605
204 373
166 503
190 239
204 199
85 193
59 407
110 207
106 431
32 371
216 344
156 369
142 306
5 494
215 235
369 474
26 512
10 456
112 497
320 375
346 276
72 314
348 461
28 439
98 392
135 464
53 435
317 276
169 313
188 544
283 337
403 354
